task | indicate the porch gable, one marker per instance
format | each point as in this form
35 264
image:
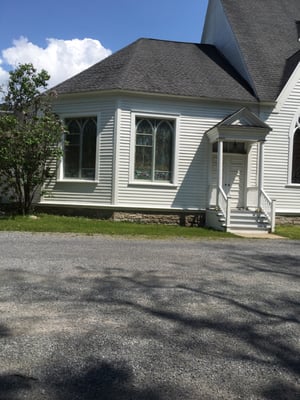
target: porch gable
243 126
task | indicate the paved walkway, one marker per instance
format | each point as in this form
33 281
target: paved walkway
258 235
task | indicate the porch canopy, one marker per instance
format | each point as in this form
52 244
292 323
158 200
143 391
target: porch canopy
243 126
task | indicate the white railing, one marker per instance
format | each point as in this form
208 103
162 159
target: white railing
265 205
224 204
268 207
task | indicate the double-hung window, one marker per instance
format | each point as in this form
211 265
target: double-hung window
80 148
154 149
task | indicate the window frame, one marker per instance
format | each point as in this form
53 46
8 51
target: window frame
157 116
61 177
294 128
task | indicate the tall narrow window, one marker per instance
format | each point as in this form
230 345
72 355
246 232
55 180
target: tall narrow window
296 157
80 148
298 30
154 149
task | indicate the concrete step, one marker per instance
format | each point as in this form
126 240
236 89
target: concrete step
247 214
249 226
248 219
245 220
256 234
241 220
249 232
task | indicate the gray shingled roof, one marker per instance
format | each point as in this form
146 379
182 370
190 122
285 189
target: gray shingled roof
267 35
163 67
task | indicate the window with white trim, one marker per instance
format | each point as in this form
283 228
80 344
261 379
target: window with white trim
79 160
296 155
154 149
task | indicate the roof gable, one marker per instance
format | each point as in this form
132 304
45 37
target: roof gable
266 33
217 31
265 36
244 117
241 125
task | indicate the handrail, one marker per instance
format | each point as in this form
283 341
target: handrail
224 204
267 205
222 200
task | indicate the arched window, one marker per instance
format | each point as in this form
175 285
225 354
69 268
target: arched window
296 157
80 148
163 150
154 149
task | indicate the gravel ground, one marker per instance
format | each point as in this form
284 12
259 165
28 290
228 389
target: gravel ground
109 318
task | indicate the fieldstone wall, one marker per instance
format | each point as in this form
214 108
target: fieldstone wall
287 220
143 217
183 219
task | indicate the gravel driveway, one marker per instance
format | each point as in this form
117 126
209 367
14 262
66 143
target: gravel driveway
108 318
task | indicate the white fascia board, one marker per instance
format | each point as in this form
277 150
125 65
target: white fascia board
286 91
120 93
247 115
237 133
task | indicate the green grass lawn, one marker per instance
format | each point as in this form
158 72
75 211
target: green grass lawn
289 231
52 223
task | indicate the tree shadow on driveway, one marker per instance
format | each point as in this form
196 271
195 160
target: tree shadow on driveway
221 330
4 331
252 321
11 385
281 391
105 381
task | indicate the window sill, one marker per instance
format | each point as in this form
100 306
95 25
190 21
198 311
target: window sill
153 184
76 181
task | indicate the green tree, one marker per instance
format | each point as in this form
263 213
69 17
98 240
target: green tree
30 134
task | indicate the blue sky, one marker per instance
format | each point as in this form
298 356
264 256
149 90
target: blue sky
84 32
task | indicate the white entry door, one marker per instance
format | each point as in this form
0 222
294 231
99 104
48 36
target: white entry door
234 176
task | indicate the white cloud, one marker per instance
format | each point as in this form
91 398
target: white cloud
3 76
61 58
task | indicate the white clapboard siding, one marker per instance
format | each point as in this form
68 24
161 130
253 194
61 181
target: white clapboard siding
99 192
192 164
193 154
277 154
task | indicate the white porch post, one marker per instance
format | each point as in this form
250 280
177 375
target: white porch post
260 172
220 169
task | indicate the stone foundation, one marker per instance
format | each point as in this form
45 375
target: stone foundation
143 217
287 220
183 219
